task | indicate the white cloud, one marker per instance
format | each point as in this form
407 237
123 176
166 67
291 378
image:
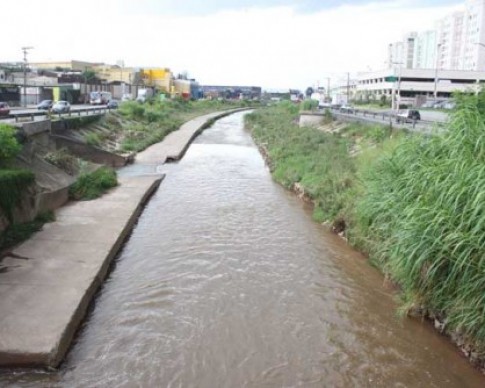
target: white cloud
273 47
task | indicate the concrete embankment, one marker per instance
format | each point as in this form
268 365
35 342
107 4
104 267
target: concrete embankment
176 143
48 282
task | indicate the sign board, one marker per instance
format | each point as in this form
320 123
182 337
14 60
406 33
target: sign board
391 78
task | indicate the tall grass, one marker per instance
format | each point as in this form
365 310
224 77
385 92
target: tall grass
415 203
317 161
91 185
424 215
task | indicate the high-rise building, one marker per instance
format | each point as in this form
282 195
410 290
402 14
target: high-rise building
474 35
425 50
402 52
450 41
457 43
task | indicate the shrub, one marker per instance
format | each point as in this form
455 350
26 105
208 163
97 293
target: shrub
309 105
93 139
16 233
64 160
12 184
93 184
9 147
424 213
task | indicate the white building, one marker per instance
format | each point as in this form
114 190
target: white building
425 46
402 52
415 86
450 41
458 42
473 35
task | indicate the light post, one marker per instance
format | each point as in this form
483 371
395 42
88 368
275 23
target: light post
436 72
25 51
478 60
394 107
328 89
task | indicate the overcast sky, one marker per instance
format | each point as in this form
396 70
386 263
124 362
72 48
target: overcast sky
269 43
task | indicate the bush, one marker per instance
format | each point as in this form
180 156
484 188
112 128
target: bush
12 184
64 160
93 139
17 233
309 105
93 184
424 213
9 147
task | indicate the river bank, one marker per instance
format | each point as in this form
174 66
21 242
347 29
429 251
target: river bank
401 199
49 281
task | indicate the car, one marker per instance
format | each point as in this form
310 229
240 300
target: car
113 104
127 97
61 107
45 105
4 109
347 109
408 115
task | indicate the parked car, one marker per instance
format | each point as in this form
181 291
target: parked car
428 104
408 115
45 105
61 107
113 104
4 109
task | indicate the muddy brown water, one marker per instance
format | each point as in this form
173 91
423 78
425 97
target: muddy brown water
227 282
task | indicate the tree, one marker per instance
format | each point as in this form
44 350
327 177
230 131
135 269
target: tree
309 91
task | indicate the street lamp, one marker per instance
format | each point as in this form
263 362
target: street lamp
478 66
25 51
436 72
398 87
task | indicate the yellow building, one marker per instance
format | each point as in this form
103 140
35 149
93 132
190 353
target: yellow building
160 78
65 65
110 73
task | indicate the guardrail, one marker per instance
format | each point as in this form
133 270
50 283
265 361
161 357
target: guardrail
391 118
77 112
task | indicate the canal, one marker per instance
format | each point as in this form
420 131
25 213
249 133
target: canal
227 282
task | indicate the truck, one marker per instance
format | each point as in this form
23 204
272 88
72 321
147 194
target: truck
339 100
144 94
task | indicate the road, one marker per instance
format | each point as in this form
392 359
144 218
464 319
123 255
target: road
76 110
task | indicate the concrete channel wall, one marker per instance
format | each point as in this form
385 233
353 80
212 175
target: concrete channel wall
48 282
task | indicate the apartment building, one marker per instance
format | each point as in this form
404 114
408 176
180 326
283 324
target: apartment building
456 43
425 50
402 52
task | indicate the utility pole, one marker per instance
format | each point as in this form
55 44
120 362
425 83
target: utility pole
25 51
436 72
348 88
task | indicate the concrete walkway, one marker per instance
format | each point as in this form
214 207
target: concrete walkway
48 282
176 143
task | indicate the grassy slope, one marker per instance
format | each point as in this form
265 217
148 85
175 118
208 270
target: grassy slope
415 204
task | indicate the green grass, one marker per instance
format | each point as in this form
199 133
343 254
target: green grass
415 204
319 162
93 184
137 126
424 211
13 183
17 233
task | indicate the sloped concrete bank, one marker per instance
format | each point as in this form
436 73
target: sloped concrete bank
174 146
48 282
